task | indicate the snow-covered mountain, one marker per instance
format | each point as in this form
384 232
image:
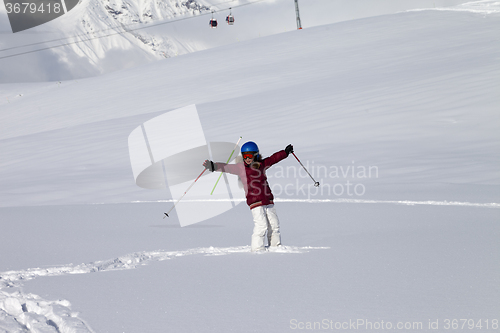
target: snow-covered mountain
93 38
125 21
102 36
99 32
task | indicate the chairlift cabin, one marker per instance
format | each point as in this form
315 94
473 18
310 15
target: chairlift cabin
213 22
230 18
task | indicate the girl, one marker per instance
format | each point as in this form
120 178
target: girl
258 193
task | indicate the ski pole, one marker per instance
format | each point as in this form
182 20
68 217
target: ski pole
229 159
315 182
166 214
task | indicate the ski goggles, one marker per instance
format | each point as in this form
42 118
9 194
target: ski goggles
248 155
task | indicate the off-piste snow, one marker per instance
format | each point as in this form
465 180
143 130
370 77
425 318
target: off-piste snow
393 110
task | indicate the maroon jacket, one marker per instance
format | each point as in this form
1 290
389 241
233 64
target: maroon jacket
254 178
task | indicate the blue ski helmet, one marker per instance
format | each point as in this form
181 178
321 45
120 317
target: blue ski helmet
250 146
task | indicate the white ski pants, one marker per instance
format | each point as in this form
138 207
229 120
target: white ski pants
265 219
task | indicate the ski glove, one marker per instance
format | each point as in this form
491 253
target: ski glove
288 150
209 165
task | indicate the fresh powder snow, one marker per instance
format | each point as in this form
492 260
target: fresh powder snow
392 108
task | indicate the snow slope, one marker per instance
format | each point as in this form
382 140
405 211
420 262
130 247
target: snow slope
412 95
396 264
398 98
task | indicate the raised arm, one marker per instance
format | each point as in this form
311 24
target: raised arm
235 169
278 156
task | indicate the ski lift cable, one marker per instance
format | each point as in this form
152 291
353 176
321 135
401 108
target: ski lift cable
114 27
111 34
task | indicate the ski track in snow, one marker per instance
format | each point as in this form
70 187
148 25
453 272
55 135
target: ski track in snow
26 312
357 201
477 7
403 202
